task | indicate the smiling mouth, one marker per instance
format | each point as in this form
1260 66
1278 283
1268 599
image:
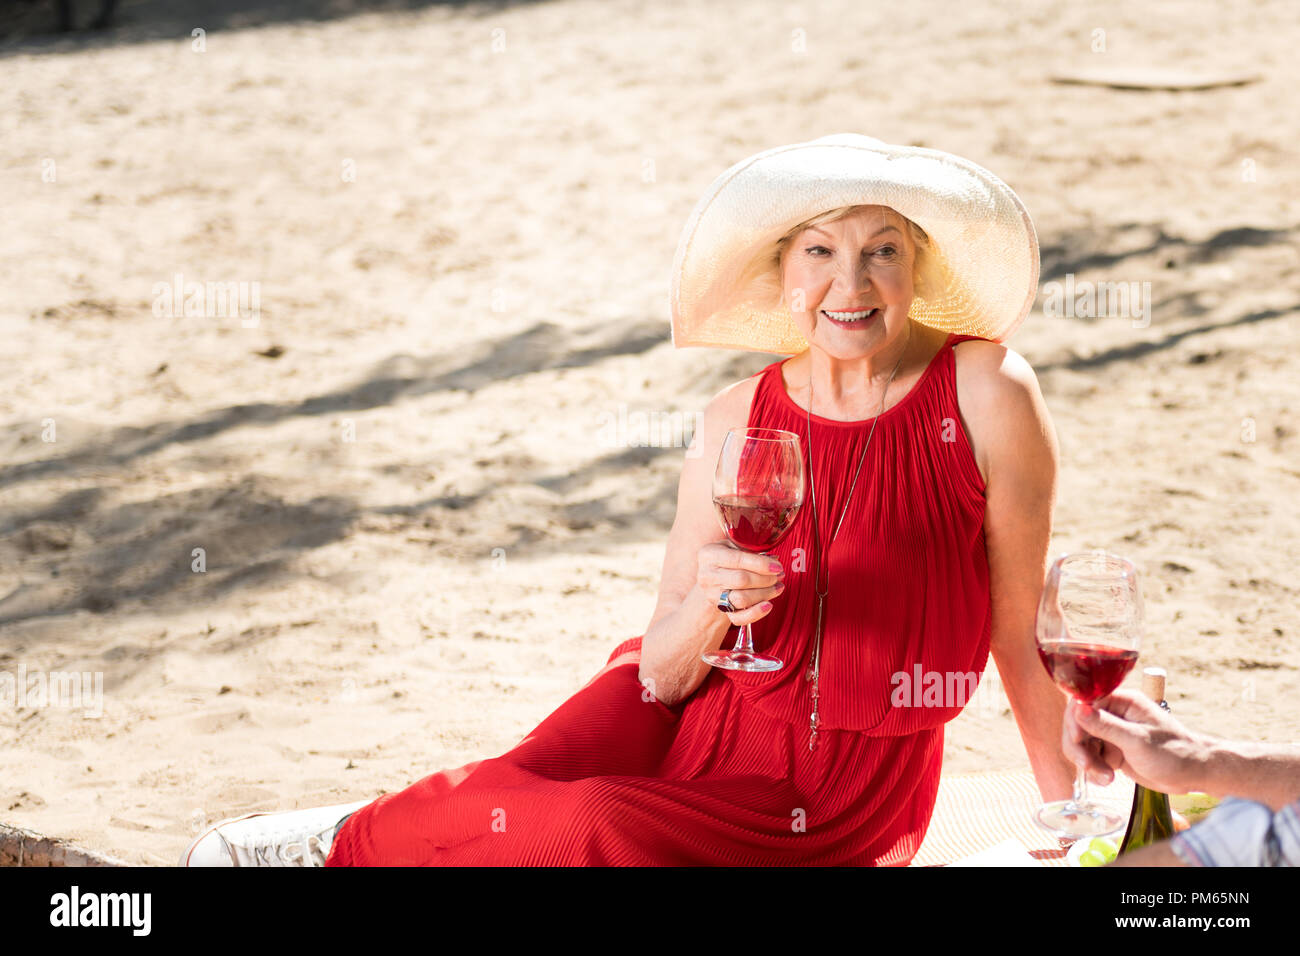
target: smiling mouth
850 318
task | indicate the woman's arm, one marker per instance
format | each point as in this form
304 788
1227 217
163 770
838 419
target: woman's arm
1015 447
697 566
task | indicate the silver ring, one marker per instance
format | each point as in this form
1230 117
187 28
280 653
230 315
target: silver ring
724 603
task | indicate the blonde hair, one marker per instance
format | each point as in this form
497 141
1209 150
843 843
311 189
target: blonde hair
928 274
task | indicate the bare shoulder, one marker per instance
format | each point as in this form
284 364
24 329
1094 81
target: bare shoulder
735 398
728 409
1001 403
992 372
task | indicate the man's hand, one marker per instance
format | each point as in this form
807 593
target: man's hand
1127 731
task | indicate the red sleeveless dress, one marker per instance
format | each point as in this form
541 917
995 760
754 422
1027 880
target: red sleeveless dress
726 776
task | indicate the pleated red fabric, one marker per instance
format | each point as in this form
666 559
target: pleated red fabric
726 777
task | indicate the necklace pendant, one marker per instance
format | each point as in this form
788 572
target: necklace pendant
814 658
814 722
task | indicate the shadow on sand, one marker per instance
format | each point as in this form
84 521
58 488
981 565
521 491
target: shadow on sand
142 549
33 26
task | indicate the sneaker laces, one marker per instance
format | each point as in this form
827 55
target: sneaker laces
310 850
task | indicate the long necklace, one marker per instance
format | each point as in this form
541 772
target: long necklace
814 667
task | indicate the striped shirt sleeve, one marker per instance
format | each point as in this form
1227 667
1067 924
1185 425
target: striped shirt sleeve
1242 833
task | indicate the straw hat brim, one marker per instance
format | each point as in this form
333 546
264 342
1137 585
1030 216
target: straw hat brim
725 291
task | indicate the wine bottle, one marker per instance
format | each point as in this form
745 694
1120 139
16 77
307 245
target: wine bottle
1150 820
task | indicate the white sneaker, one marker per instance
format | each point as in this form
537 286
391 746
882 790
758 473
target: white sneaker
291 838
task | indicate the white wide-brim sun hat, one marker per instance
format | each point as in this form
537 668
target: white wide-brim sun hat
725 291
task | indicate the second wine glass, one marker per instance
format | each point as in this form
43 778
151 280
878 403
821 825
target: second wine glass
758 489
1089 626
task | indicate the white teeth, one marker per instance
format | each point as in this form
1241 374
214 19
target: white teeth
849 316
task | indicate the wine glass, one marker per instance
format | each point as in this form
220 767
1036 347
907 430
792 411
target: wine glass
1088 628
757 492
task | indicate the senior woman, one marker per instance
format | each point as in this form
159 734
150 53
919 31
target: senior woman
889 274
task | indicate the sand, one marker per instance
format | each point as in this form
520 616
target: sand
421 527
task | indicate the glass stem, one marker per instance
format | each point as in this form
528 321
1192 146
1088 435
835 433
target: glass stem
1080 796
744 641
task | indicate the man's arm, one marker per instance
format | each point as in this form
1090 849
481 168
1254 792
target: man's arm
1268 773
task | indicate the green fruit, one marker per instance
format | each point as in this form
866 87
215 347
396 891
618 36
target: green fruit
1091 858
1106 847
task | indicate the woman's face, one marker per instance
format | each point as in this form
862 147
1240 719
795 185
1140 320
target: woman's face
859 263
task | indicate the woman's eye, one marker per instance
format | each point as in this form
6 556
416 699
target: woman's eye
887 251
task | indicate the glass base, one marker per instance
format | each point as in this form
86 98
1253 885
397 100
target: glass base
734 660
1065 818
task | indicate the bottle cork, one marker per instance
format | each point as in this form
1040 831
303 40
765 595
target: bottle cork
1153 683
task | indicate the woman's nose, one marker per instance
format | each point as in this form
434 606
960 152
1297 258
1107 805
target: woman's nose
850 280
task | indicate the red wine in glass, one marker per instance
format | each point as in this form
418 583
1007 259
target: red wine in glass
757 493
755 523
1088 628
1088 672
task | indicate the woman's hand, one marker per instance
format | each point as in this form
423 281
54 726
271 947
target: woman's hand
753 579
